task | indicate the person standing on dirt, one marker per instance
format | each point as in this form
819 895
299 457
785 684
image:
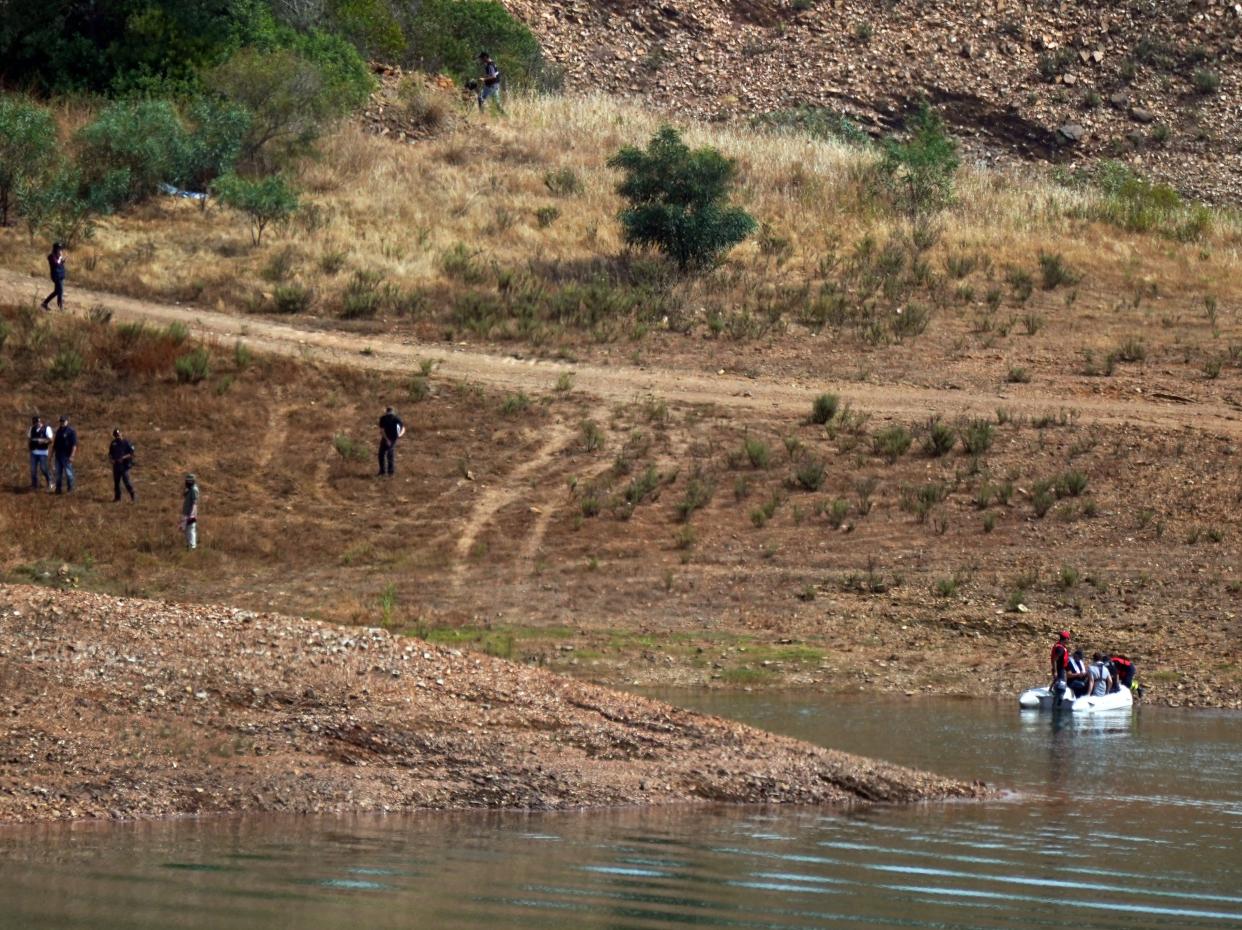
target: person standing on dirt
64 447
56 268
39 440
189 512
489 84
121 452
391 429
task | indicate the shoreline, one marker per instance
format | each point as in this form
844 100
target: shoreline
122 709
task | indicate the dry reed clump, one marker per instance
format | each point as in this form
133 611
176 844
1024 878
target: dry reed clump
531 201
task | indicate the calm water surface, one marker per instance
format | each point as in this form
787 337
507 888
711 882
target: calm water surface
1130 823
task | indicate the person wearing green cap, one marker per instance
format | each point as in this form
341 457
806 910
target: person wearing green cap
189 512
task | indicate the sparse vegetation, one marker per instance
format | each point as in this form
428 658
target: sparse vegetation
891 443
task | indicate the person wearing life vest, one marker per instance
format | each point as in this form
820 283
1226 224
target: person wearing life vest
1059 659
1123 672
1076 675
1101 675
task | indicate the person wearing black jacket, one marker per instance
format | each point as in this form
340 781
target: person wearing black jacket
56 268
64 447
121 452
391 429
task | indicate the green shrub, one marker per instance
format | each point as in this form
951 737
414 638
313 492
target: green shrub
193 367
824 408
129 149
292 94
264 201
1206 81
348 449
940 438
563 182
176 333
810 474
977 437
699 491
921 171
291 298
892 442
1132 349
836 512
27 144
815 122
514 404
52 206
1018 375
546 216
756 452
361 300
1054 272
1071 484
447 35
679 200
66 365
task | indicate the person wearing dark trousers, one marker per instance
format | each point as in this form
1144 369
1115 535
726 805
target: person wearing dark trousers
121 452
39 440
56 268
64 447
391 429
189 512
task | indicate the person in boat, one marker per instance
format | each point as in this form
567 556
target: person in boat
1123 672
1059 660
1076 675
1101 675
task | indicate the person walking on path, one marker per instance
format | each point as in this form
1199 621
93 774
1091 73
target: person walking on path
391 429
489 85
189 512
121 452
65 447
56 268
39 440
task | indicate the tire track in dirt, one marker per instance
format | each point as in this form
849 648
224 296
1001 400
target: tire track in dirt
626 384
502 492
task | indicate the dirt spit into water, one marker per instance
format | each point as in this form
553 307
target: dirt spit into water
120 708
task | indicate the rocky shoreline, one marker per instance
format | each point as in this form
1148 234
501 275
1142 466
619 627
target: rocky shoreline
118 709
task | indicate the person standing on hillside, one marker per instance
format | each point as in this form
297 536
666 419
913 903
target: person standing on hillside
121 452
38 441
56 268
489 84
65 447
189 512
391 429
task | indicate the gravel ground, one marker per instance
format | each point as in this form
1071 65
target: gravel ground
120 708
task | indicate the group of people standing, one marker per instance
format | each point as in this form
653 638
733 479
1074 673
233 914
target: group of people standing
1103 675
61 446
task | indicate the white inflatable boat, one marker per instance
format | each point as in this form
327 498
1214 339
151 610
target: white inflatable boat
1045 699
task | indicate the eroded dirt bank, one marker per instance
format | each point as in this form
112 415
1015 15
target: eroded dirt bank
126 708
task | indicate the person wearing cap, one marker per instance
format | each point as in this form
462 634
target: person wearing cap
1076 674
489 84
56 268
189 512
38 441
64 448
121 453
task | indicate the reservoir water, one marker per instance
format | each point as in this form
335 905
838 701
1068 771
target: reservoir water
1126 823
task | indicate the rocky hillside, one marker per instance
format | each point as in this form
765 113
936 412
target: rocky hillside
125 708
1152 82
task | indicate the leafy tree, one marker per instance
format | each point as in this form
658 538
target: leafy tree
447 35
369 24
52 205
264 201
679 200
129 149
216 141
920 172
292 94
27 144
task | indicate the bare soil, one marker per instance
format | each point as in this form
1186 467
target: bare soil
509 533
118 708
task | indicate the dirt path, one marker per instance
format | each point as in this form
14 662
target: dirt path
623 383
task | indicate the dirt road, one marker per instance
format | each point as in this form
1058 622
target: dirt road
624 383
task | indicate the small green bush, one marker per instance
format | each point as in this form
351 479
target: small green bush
757 452
192 367
563 182
27 144
348 449
679 200
824 408
515 404
810 474
977 437
546 216
1206 81
892 442
1054 272
291 298
264 201
921 171
66 365
699 491
940 438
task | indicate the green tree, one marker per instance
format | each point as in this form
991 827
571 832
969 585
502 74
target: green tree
292 94
369 24
264 201
447 35
129 149
52 205
679 200
27 145
920 172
